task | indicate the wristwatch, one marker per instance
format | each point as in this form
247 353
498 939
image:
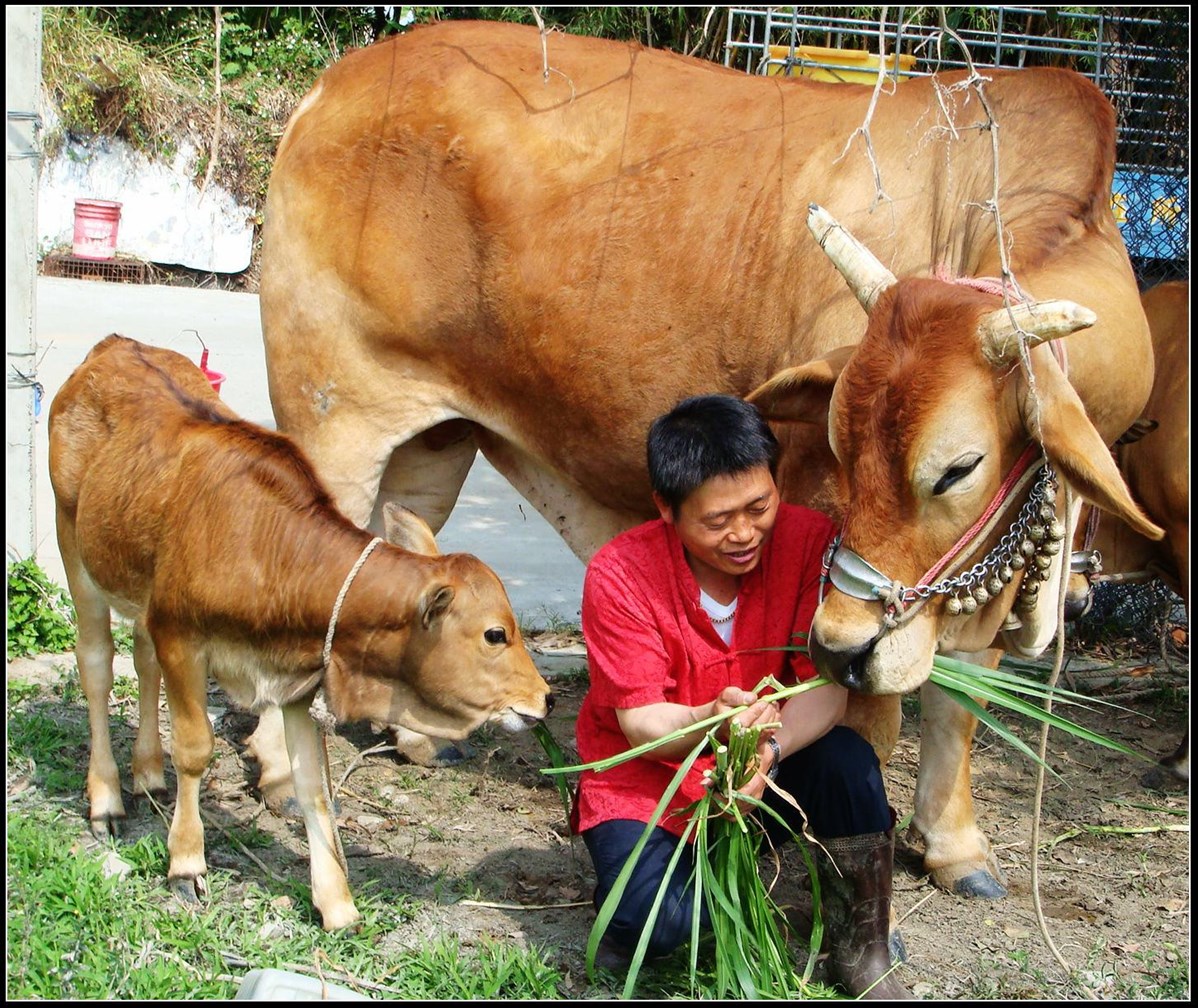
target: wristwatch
776 749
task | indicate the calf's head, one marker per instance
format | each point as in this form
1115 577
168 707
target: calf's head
955 429
429 642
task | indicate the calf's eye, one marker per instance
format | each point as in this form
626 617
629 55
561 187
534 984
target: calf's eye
496 635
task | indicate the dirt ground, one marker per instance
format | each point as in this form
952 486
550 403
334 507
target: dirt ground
484 847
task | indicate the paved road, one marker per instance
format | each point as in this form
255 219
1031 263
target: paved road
543 578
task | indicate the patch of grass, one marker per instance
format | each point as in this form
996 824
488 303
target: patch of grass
57 746
489 970
18 691
73 935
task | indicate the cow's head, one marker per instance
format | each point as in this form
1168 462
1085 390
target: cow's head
955 428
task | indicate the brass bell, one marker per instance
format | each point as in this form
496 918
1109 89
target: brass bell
1036 532
953 605
1017 562
1005 573
969 604
981 594
994 584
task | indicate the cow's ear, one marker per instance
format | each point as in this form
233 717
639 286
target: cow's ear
404 528
1054 413
802 393
435 604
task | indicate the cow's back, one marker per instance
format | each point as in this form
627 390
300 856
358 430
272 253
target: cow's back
555 251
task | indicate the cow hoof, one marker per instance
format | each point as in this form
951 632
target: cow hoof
979 885
1165 779
451 755
290 809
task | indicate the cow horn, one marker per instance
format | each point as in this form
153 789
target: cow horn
866 276
1000 331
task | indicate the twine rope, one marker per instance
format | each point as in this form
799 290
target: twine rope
320 709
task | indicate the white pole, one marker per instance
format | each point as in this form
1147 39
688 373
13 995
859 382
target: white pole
22 85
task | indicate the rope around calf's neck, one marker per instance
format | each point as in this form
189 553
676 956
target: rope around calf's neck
320 709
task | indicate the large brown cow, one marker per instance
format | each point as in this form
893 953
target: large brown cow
215 536
1154 458
474 243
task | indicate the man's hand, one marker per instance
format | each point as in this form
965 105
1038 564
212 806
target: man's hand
762 712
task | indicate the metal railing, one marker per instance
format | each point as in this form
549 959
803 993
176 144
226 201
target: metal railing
1140 62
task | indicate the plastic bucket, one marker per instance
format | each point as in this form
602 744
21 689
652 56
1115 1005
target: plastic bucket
96 223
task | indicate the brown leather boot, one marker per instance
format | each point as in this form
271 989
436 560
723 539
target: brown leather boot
856 909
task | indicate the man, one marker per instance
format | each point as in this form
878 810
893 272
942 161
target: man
682 617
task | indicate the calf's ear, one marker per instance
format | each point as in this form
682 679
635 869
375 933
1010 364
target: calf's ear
404 528
435 604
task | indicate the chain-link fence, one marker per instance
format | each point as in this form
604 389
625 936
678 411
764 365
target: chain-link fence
1139 56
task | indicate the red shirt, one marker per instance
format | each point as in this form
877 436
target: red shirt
649 640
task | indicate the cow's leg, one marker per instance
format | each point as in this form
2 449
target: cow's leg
877 719
425 474
148 774
956 852
268 745
330 887
93 654
192 744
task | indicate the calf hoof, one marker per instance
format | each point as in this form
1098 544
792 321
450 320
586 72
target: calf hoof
188 888
107 827
347 922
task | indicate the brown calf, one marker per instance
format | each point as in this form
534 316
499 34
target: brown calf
215 536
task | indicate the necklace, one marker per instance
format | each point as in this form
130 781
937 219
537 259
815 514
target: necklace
717 620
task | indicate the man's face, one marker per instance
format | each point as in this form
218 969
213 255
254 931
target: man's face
724 524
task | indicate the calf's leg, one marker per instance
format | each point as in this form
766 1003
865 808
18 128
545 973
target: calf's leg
192 744
330 887
148 775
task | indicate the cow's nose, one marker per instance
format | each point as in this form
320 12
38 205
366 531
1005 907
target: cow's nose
550 700
845 666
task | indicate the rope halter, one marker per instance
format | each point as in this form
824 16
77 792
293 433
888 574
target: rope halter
320 709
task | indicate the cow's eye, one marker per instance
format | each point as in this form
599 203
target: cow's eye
496 635
956 473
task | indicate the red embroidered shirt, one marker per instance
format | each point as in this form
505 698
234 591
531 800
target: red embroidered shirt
649 640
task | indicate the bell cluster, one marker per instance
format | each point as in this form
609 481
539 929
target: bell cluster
1029 546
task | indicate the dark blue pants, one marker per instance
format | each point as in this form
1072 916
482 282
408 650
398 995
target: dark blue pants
836 781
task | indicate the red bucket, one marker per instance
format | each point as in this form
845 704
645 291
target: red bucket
215 378
96 223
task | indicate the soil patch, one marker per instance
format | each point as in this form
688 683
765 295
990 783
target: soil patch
484 850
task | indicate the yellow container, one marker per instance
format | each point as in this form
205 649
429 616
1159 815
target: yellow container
853 66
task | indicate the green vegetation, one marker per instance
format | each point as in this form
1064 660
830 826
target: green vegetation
41 617
71 935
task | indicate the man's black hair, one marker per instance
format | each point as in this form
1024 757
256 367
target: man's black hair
706 436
